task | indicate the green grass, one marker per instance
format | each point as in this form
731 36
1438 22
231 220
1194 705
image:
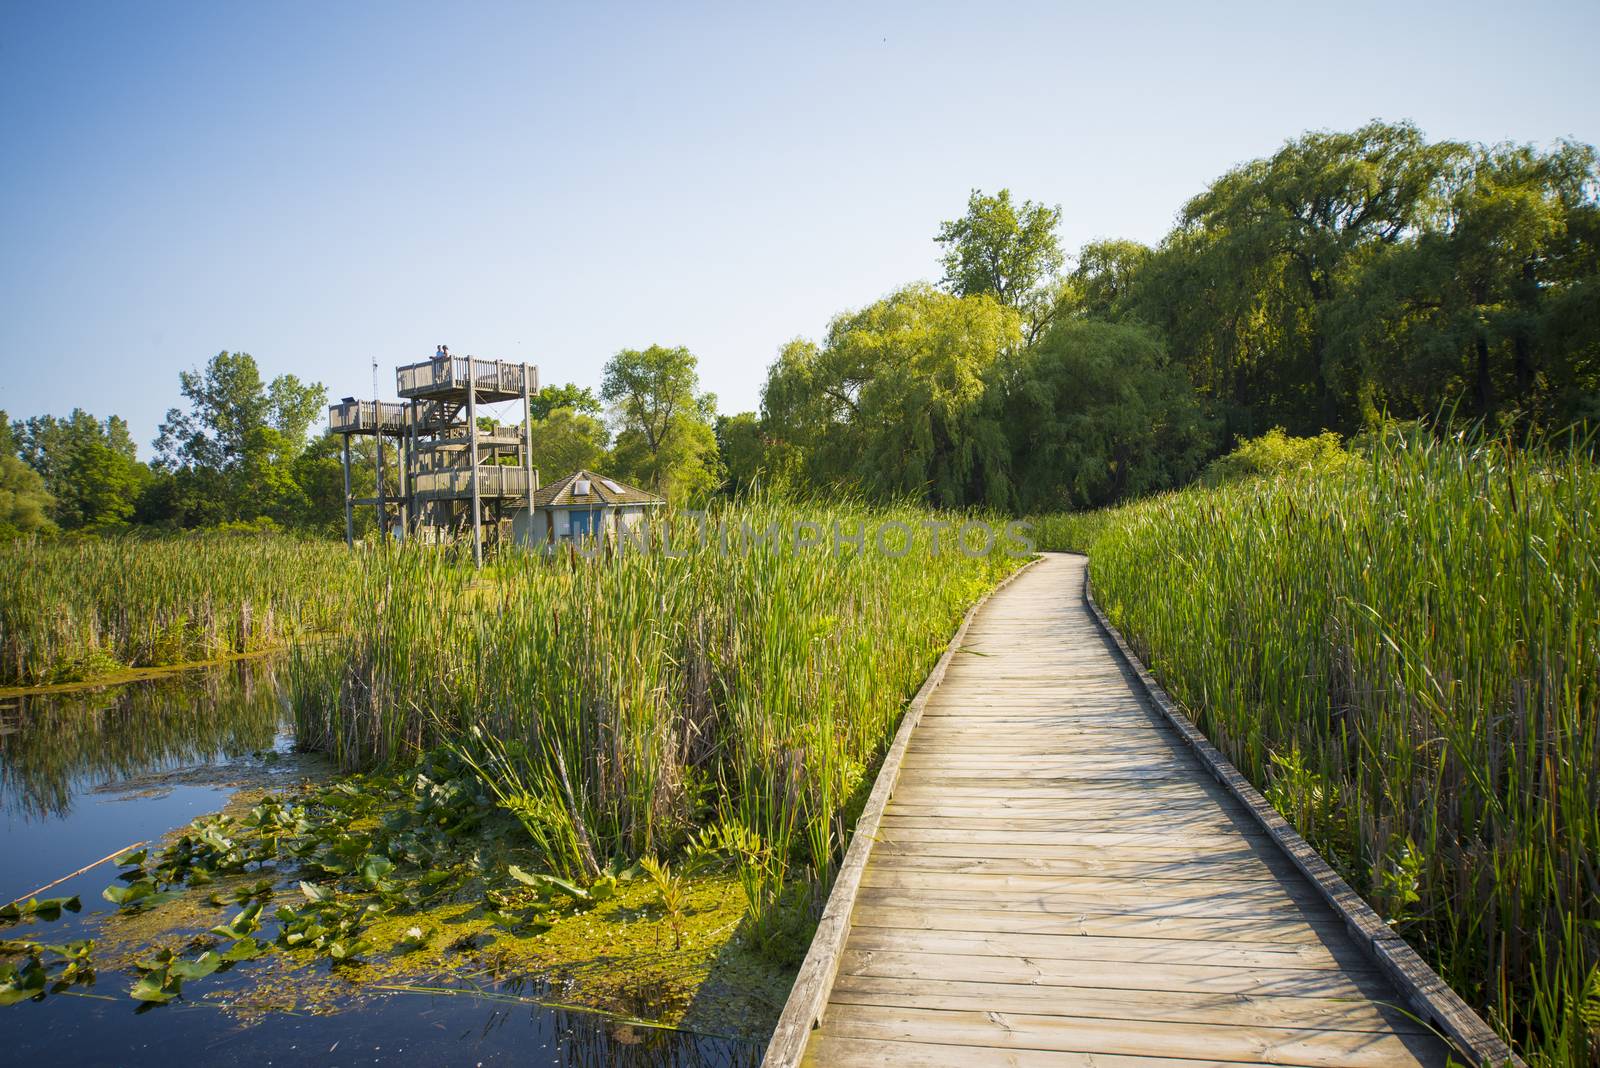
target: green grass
1403 652
74 609
620 706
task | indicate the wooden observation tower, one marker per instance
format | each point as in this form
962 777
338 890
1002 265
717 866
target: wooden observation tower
454 479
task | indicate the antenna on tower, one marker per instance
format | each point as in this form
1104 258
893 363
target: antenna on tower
374 379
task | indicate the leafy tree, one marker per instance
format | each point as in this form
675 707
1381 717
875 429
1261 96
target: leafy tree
883 404
1101 285
88 466
1007 251
1000 248
578 398
664 438
567 439
1261 257
316 501
24 503
742 449
1094 412
232 450
1470 315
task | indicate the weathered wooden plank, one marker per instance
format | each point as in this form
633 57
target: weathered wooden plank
1140 1038
1332 1014
971 806
1215 886
1131 898
854 1052
1002 790
1119 975
1093 865
1153 852
1289 928
899 931
1106 819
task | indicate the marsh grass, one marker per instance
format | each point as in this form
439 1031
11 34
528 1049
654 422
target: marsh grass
1404 653
81 608
619 704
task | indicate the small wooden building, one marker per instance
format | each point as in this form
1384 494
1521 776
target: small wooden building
584 504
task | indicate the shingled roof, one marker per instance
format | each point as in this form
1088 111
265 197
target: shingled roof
602 491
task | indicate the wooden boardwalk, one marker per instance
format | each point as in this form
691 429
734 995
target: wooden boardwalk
1058 881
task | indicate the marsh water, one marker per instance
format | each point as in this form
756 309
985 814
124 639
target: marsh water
87 774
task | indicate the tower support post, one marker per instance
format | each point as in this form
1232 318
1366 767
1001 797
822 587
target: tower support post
527 447
472 458
377 482
349 520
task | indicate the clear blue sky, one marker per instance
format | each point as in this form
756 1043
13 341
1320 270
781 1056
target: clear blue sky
324 184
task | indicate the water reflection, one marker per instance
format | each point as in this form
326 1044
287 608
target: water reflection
87 773
54 747
401 1028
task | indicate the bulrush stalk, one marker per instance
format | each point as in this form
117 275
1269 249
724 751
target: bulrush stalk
620 699
1403 653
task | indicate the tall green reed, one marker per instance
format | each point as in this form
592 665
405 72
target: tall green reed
77 608
733 685
1405 654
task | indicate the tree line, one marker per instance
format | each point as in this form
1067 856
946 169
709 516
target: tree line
238 453
1351 278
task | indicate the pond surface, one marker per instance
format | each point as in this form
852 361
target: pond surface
88 774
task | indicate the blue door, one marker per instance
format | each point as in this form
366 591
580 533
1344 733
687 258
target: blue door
587 521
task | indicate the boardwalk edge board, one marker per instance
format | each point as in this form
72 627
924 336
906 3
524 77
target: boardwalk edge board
814 982
1428 995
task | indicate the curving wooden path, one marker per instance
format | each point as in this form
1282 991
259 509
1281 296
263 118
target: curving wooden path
1058 881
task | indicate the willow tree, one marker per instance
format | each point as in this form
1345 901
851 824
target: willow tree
1093 413
1476 314
1262 256
885 402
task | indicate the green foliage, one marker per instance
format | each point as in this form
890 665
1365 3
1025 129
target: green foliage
1004 250
44 969
34 908
670 895
1091 414
89 467
742 449
577 398
1275 453
664 439
886 403
25 504
231 452
1363 274
1473 314
1102 283
567 439
1399 647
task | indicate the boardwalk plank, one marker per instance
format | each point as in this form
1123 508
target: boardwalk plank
1057 880
1147 1038
1334 1014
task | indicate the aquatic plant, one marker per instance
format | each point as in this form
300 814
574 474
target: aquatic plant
1403 651
616 704
81 608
